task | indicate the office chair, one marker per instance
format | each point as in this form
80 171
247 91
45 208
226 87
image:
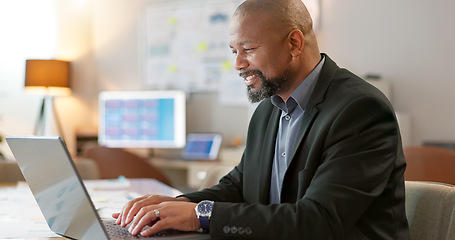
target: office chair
115 162
87 168
214 174
429 163
430 209
11 173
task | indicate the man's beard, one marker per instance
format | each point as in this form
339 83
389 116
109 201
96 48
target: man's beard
269 87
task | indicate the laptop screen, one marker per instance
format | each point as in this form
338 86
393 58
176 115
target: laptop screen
202 146
50 173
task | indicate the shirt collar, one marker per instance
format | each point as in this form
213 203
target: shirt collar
302 94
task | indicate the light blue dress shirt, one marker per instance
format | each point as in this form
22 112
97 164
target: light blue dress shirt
290 121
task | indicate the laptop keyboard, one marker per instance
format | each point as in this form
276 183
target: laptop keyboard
117 232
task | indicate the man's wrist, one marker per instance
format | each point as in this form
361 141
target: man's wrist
183 198
203 213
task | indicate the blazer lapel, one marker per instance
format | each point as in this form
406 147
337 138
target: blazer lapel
308 118
311 111
267 155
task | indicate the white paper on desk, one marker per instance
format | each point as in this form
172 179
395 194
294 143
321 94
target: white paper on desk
107 184
107 202
37 229
109 195
153 186
20 216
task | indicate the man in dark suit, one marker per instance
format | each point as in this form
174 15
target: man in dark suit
323 157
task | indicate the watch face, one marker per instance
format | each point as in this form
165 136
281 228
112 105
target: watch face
204 208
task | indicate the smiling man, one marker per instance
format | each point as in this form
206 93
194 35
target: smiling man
323 158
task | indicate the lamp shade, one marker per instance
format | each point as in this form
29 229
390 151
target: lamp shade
51 75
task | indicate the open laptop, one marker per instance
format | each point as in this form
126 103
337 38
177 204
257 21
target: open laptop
202 146
61 195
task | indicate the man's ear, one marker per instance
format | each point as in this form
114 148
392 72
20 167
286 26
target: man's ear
296 42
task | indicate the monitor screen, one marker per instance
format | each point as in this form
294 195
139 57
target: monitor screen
142 119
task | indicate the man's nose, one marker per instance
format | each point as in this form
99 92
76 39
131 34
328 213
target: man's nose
240 62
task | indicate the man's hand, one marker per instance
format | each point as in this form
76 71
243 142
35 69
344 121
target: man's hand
175 213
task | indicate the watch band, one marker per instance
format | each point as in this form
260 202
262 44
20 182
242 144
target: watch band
205 223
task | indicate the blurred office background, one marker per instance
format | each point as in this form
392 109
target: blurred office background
408 44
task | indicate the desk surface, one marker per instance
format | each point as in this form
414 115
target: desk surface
183 164
20 211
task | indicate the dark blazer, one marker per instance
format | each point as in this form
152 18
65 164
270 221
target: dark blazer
345 180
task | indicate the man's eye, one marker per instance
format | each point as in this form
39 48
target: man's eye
248 49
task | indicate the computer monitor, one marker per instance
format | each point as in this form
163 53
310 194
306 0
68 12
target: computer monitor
142 119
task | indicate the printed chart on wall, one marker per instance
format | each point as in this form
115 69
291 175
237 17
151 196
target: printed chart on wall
187 48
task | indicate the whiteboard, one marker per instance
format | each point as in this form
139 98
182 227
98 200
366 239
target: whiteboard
186 47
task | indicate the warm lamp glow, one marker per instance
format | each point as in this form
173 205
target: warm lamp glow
50 77
52 91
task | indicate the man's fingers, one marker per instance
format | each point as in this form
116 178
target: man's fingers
124 213
137 206
129 210
155 228
138 218
143 218
117 217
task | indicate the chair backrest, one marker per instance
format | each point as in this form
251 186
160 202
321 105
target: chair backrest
430 209
214 174
10 171
115 162
87 168
428 163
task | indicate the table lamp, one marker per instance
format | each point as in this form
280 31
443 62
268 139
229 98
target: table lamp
50 78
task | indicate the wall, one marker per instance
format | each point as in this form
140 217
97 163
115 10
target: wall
45 29
27 32
75 45
409 43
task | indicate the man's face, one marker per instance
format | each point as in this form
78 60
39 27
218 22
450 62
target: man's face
262 56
